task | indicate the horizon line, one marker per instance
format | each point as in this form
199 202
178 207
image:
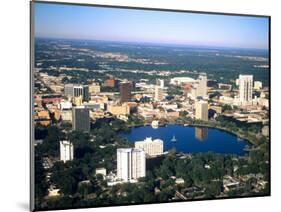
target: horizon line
148 42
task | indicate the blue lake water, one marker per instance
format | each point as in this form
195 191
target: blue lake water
191 139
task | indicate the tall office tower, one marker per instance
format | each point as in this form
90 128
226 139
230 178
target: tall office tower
125 91
130 163
201 133
201 110
71 90
158 93
194 90
80 119
202 86
77 90
86 95
66 151
151 147
68 90
160 83
245 88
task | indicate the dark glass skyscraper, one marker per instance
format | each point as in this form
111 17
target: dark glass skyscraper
81 119
125 91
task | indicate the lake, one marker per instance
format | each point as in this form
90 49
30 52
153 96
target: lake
191 139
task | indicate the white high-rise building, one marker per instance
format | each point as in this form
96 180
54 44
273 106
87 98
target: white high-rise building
199 87
160 83
151 147
201 110
66 151
158 93
245 88
130 164
202 86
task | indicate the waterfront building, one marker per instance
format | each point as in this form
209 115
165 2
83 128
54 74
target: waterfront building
116 110
131 164
66 151
80 119
125 91
245 88
155 124
201 110
151 147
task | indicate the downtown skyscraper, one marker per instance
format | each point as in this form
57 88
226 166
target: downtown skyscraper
125 91
81 119
245 88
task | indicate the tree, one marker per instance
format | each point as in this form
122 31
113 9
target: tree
41 186
213 189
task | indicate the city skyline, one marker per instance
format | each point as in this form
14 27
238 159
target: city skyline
145 26
116 123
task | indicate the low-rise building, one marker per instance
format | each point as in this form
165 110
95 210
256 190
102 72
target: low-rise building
257 85
151 147
43 118
116 110
94 88
181 80
65 105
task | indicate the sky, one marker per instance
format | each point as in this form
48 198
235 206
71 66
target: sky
131 25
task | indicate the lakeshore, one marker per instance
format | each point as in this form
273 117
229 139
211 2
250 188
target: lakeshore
191 139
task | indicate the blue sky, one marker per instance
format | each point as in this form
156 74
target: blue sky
95 23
